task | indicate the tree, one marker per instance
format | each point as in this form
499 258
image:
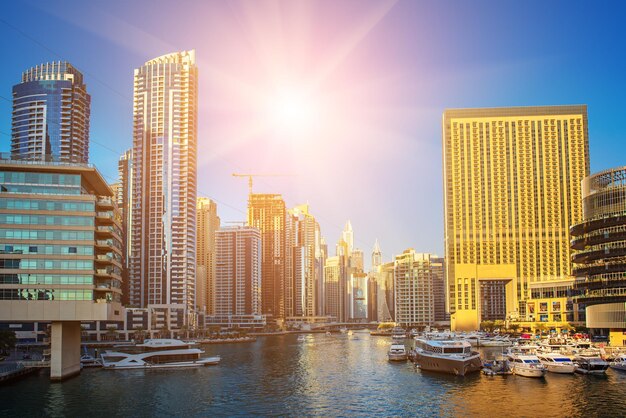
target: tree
487 326
498 324
514 327
566 328
7 340
139 335
111 332
542 328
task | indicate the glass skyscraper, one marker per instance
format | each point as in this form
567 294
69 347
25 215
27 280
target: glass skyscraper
162 263
51 115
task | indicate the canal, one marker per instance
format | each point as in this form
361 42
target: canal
336 375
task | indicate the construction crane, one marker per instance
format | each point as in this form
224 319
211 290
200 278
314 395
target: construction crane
250 176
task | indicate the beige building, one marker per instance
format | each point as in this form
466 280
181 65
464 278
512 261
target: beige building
512 189
413 279
207 223
162 262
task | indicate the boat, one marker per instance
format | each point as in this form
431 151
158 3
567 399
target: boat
397 352
495 342
619 363
524 362
343 330
590 365
398 334
328 334
557 363
87 360
160 353
301 337
497 367
446 356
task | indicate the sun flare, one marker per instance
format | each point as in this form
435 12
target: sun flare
292 112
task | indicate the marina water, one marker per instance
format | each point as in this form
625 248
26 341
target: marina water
337 375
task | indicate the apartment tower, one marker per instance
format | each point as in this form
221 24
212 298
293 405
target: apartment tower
163 224
51 115
512 189
208 224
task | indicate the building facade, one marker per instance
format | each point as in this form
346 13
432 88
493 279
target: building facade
334 286
512 189
162 268
208 224
60 252
123 193
238 272
267 213
600 253
51 109
413 279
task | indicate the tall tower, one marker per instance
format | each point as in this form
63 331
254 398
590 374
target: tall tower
123 195
377 256
208 223
238 271
348 236
163 224
512 189
413 289
51 115
268 213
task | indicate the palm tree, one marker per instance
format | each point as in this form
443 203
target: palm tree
139 334
514 327
487 325
111 332
498 324
541 328
7 340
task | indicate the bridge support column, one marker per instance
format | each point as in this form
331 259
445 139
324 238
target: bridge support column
65 350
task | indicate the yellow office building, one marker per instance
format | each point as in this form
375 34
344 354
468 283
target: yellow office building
512 189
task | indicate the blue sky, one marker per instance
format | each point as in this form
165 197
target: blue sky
386 70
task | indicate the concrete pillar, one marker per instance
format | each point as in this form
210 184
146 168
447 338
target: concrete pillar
65 350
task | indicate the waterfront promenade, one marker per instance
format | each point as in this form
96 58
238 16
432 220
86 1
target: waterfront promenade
335 375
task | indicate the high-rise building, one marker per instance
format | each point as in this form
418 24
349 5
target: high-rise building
321 254
123 194
386 296
163 224
238 271
413 289
437 267
51 115
600 256
334 286
348 237
377 256
512 189
208 224
356 260
267 213
60 252
358 296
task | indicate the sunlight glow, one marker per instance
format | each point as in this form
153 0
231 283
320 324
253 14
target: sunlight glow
291 112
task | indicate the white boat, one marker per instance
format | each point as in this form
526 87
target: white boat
301 337
590 365
398 334
397 352
454 357
557 363
87 360
495 342
156 354
524 362
619 363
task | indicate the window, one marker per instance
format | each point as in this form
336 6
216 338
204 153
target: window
71 250
32 249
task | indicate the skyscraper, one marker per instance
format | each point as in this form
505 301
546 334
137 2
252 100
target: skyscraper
163 224
267 212
237 272
334 286
348 237
377 256
123 194
413 289
208 224
51 115
512 189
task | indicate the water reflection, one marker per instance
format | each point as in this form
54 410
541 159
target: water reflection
324 375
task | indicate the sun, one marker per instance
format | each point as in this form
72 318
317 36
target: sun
292 112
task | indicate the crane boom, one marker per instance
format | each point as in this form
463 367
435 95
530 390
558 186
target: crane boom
250 176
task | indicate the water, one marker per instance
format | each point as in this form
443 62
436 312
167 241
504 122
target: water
325 376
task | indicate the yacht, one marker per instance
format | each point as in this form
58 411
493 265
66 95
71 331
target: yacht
557 363
524 362
87 360
156 354
495 342
590 365
398 334
397 352
619 363
301 337
447 356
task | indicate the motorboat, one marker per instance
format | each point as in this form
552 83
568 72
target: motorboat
397 352
446 356
555 362
495 342
590 365
524 362
619 363
301 337
87 360
156 354
497 367
398 334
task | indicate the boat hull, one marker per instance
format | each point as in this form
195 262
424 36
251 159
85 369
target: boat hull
586 371
527 372
208 361
620 367
455 366
397 357
564 369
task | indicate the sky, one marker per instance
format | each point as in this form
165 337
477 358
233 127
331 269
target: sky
343 99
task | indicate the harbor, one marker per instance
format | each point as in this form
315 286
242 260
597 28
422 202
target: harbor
329 375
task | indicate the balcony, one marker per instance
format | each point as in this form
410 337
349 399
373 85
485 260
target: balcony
104 217
105 202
